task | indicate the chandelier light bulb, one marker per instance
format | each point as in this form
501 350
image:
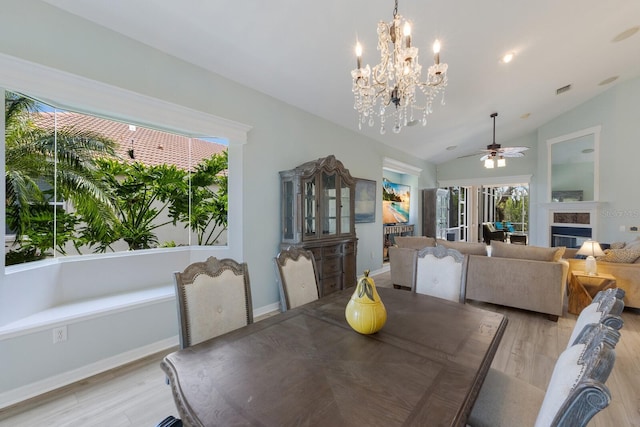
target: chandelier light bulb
359 55
502 162
436 46
436 51
488 163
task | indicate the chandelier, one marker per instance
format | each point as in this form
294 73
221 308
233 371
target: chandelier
390 89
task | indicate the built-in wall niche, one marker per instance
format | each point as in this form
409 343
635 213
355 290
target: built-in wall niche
573 166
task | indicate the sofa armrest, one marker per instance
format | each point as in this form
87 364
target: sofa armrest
402 266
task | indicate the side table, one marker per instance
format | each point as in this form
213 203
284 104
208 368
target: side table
583 287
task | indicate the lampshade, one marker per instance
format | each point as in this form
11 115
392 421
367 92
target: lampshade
590 249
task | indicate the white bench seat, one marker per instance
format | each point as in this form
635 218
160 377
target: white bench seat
82 310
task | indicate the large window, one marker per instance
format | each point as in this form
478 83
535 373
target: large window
77 183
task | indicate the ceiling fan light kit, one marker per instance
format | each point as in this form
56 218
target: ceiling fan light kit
396 80
496 155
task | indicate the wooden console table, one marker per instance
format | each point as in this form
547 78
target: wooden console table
583 287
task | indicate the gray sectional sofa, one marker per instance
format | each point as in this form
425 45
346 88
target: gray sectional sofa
526 277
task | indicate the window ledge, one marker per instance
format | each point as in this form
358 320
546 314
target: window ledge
87 309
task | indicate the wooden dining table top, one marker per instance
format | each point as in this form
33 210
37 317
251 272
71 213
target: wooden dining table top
308 367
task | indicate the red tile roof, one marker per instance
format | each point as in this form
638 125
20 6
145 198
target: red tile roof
150 147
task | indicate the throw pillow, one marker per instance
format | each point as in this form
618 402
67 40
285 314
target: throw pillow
415 242
617 245
627 256
634 244
534 253
465 248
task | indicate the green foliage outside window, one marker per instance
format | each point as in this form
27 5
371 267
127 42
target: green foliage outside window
111 199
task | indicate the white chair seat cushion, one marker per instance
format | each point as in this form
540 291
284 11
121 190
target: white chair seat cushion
566 375
439 277
506 401
589 314
301 282
215 308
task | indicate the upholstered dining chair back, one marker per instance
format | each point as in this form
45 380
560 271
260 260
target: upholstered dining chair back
605 308
297 277
214 297
441 272
575 394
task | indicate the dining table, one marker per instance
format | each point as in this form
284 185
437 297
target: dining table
308 367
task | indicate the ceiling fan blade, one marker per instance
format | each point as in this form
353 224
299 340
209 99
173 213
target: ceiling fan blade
514 154
513 149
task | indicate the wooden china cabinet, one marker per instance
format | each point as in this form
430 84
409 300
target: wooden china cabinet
318 210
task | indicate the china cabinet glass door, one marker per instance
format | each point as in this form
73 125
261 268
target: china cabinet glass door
330 204
309 207
345 205
288 210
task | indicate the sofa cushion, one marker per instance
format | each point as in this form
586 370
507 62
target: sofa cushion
534 253
628 256
465 248
414 242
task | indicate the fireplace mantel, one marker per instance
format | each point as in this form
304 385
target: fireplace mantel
571 206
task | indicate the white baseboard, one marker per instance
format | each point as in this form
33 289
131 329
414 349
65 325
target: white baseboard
37 388
266 309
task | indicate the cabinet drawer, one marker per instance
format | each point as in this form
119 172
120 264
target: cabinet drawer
331 266
331 284
331 250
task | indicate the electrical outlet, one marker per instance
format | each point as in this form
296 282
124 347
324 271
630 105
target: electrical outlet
622 228
59 334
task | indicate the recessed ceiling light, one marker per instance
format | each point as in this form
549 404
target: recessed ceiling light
508 57
525 116
607 81
626 34
452 147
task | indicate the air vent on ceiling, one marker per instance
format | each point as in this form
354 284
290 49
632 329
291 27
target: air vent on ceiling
563 89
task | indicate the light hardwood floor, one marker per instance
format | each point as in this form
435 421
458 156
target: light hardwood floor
137 395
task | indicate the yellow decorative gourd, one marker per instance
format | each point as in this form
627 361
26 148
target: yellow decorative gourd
365 311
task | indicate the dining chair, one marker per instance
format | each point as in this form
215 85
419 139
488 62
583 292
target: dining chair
297 277
214 297
575 393
441 272
606 308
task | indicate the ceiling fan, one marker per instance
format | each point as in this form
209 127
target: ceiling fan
496 154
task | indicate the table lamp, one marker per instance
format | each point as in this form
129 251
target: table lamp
591 249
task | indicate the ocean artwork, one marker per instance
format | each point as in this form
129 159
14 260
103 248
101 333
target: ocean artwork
396 200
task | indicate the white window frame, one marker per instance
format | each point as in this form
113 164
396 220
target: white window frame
77 93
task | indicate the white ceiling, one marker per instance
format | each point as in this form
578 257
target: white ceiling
302 52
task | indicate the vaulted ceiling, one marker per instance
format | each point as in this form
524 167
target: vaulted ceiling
302 53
